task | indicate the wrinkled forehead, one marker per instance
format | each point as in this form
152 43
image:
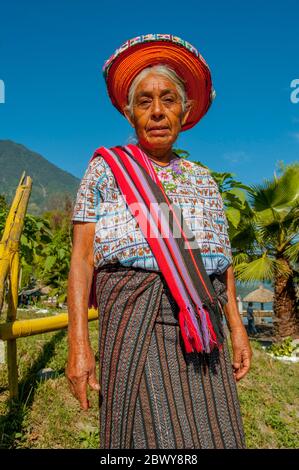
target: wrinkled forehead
155 84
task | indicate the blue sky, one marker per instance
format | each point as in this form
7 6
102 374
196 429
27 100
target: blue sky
51 55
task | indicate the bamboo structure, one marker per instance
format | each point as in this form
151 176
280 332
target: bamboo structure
9 269
20 328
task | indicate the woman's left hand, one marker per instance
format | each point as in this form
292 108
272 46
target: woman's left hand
242 352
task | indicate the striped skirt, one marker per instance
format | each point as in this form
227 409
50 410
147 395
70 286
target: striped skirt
153 394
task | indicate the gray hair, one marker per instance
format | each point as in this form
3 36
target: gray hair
165 71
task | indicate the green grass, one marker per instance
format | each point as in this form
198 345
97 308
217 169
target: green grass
269 397
47 416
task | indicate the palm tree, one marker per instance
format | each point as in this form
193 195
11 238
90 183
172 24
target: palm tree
266 243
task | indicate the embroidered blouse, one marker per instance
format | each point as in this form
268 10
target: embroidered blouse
118 237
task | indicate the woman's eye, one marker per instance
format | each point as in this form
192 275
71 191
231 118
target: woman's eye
169 100
144 102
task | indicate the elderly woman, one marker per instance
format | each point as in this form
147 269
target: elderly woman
151 250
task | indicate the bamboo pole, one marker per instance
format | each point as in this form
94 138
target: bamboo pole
22 328
10 237
9 267
12 367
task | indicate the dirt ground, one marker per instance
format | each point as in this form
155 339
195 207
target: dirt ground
266 335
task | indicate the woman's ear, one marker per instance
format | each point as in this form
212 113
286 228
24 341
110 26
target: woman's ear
128 116
189 106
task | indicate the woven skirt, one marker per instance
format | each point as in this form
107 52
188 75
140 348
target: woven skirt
153 394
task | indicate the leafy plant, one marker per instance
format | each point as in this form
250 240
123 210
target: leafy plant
284 348
234 197
57 263
89 439
36 235
181 153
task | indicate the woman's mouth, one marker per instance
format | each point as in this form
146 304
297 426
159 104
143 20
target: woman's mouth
158 130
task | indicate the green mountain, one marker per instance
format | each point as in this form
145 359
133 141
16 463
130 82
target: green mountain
50 185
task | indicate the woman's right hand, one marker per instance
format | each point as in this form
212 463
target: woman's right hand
81 372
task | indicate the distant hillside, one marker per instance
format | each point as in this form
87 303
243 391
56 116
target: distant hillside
50 183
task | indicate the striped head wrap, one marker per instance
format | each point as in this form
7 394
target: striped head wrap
153 49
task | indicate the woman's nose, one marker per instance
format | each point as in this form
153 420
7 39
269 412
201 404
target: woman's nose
157 108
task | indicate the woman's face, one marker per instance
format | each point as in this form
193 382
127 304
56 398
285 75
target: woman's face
157 112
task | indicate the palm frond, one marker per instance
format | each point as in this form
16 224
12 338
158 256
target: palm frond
261 269
278 195
240 258
269 234
292 253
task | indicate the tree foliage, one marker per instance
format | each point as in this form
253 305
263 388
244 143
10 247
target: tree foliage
45 247
266 243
